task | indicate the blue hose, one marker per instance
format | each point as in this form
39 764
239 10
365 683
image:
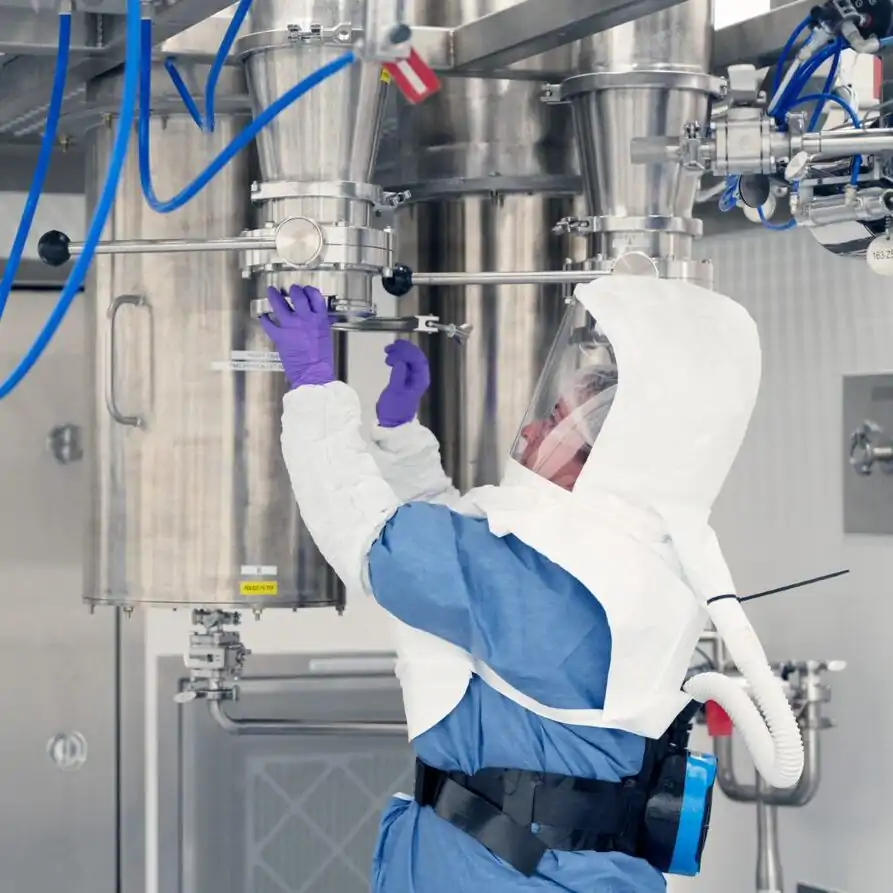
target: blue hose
801 79
778 227
788 49
104 205
828 88
237 145
183 90
44 159
209 121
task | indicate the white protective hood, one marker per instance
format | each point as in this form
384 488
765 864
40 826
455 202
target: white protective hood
635 530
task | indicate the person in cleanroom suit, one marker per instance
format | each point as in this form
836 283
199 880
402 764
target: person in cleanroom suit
544 625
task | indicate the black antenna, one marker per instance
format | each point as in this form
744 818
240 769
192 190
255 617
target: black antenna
821 579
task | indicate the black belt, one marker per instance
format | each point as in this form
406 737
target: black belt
498 807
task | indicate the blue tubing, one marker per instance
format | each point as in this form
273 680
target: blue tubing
237 145
104 205
44 159
183 90
208 122
786 52
778 227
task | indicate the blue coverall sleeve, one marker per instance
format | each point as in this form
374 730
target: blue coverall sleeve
416 573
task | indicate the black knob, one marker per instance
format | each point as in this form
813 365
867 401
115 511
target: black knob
399 282
53 248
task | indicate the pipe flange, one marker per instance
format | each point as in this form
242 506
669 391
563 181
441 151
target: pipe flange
697 271
335 189
306 244
651 78
684 226
460 187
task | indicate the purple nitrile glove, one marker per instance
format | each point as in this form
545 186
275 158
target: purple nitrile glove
410 378
303 336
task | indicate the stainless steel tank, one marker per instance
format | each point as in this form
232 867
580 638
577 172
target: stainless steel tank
191 500
648 78
317 157
491 170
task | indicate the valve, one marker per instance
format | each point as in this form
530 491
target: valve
869 445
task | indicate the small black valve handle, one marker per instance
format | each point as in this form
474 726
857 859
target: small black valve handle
53 248
399 282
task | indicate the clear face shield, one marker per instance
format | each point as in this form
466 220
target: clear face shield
571 402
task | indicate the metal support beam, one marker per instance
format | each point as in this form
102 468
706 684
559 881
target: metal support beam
26 81
760 40
532 27
37 33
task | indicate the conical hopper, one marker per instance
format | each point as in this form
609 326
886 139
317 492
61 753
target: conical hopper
648 78
330 135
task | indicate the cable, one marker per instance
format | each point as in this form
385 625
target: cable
44 159
240 142
104 206
229 38
777 227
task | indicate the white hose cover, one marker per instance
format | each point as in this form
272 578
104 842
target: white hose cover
773 738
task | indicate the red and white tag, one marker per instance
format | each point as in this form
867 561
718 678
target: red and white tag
414 78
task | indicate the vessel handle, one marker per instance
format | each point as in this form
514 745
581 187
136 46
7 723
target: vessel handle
110 398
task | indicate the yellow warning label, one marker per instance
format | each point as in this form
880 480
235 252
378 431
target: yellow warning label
262 587
385 76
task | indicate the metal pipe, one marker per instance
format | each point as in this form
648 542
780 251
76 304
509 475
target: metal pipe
769 878
298 726
805 789
547 277
841 142
175 246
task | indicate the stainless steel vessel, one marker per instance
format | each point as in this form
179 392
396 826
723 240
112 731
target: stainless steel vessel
317 157
491 169
647 78
191 500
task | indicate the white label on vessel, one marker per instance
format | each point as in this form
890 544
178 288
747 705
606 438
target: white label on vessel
249 361
880 256
259 570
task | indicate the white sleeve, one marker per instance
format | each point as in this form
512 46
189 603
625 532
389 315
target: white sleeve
409 459
342 495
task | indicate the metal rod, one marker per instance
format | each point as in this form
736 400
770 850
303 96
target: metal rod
299 726
547 277
175 246
844 142
531 27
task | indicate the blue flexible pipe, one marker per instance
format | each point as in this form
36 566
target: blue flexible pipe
180 85
778 227
786 52
44 159
828 88
801 79
208 122
237 145
103 208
